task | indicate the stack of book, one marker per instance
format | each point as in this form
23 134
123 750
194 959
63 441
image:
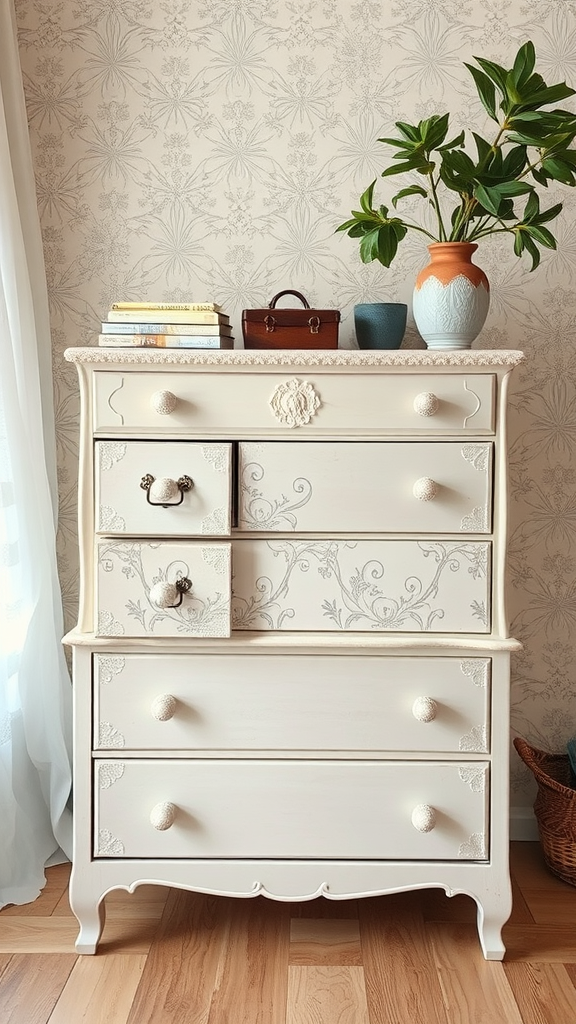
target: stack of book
166 325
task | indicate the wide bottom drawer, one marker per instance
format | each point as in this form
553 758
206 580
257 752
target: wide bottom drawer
258 808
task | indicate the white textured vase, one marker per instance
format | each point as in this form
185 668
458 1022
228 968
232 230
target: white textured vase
451 297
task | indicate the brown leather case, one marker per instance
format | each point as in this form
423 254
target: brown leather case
290 328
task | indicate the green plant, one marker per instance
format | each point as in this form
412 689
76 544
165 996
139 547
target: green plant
530 148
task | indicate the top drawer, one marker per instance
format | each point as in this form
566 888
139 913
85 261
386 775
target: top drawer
316 404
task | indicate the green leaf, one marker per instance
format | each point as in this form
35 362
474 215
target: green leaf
518 243
482 146
512 188
542 235
488 198
495 72
531 248
453 144
366 198
514 162
524 63
387 245
558 170
369 246
549 214
410 131
485 89
413 190
532 208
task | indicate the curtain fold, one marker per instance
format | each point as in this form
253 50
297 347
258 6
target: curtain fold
35 690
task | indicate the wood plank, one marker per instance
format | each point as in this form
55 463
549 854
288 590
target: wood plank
100 990
31 985
146 901
528 867
541 943
474 990
552 905
327 995
251 987
182 965
323 907
326 941
400 973
543 992
58 935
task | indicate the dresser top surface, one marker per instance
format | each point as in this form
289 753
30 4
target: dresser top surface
232 359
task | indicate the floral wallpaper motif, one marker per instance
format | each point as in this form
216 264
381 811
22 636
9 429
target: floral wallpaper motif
208 150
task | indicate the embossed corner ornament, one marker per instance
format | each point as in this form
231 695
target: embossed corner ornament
294 402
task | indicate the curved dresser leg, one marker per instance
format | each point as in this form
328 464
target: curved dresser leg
493 914
91 920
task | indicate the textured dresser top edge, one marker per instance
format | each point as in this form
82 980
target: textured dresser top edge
281 359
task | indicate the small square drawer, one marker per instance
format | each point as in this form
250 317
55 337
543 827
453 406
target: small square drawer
162 488
303 403
365 487
162 589
319 703
325 809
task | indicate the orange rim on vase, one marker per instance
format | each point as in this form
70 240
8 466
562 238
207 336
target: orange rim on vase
451 296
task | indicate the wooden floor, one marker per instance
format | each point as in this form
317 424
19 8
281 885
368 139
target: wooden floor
171 957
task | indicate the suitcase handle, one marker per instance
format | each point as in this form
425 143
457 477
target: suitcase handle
288 291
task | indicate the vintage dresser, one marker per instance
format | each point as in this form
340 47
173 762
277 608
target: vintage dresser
291 665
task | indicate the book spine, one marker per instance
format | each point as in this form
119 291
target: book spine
164 341
132 327
161 316
190 306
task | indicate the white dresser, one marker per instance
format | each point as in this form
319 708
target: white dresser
291 665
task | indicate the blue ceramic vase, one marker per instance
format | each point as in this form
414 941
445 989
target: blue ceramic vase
380 324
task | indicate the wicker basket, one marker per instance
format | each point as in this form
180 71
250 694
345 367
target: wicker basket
554 807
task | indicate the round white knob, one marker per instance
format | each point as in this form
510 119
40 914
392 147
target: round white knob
426 404
164 489
163 707
164 594
425 489
424 709
163 815
163 402
424 818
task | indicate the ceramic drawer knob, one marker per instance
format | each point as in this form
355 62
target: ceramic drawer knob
424 709
425 489
169 595
163 815
426 404
424 818
163 402
163 707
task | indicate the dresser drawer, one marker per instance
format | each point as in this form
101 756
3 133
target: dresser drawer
321 809
165 488
361 487
135 588
312 403
375 585
326 703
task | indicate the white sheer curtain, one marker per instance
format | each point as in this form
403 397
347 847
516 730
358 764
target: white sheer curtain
35 691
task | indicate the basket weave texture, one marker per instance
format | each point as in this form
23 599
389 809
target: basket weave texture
554 807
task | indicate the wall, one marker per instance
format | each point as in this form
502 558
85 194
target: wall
208 150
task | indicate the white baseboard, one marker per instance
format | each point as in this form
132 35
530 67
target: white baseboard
523 825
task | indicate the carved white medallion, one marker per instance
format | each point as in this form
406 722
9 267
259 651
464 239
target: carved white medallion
474 848
109 772
474 775
476 521
476 669
477 455
109 736
294 402
475 741
109 667
217 456
109 520
109 845
111 452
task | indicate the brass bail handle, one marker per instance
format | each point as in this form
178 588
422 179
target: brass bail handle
184 483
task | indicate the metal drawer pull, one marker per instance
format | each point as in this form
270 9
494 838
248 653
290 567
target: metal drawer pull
163 402
163 707
425 489
163 815
426 404
424 709
170 595
164 489
424 818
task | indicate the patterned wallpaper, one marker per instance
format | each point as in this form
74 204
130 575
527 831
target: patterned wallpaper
208 150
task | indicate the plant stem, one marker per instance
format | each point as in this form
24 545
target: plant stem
436 202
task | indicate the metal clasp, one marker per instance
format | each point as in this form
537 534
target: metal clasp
270 323
314 323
